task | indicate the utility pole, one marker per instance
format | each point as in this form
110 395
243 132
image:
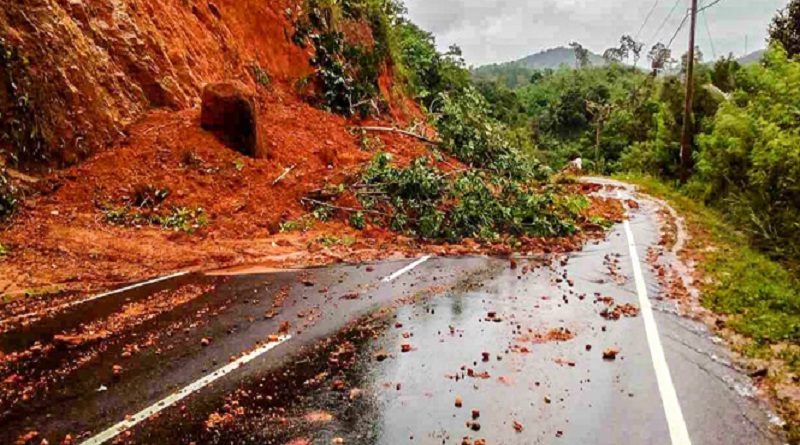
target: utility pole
686 137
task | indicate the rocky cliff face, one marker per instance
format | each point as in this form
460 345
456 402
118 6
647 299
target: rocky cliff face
75 73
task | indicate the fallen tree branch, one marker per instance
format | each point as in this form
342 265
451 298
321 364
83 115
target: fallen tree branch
286 171
399 131
346 209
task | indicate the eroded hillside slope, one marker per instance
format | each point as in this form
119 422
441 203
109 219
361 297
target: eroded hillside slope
106 96
77 72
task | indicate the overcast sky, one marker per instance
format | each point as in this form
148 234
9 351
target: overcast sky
501 30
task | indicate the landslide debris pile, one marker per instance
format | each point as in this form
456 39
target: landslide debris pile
350 125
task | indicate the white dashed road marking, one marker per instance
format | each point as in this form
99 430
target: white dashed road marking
408 268
174 398
95 297
672 408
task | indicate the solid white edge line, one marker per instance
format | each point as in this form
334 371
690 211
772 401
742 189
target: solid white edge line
123 289
172 399
672 408
96 297
408 268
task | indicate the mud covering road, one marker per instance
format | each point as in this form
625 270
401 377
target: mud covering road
534 350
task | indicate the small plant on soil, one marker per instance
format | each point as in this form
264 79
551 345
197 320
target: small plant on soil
8 200
184 219
331 240
261 77
357 221
147 196
191 159
146 206
302 224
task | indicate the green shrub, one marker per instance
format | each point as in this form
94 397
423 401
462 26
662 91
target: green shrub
261 77
749 163
347 72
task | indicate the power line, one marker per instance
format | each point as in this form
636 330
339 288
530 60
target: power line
677 31
710 39
664 23
709 5
647 19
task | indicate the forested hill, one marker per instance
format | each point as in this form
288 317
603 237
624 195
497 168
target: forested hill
519 71
555 57
753 57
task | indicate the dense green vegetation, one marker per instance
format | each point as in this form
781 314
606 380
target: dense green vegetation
347 70
749 155
745 127
422 200
500 196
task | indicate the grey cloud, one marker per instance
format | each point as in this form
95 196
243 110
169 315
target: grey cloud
501 30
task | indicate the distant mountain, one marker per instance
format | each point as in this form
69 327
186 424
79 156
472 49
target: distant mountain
519 71
555 57
753 57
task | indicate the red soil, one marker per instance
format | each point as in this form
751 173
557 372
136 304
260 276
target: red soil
61 243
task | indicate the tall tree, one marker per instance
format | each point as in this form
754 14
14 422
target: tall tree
785 28
581 55
631 48
599 112
659 56
698 58
613 55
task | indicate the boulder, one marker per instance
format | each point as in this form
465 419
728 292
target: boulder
229 111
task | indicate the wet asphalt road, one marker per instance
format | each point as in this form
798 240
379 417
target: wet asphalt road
377 362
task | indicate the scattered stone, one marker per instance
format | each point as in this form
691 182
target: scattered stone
355 393
610 354
319 417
